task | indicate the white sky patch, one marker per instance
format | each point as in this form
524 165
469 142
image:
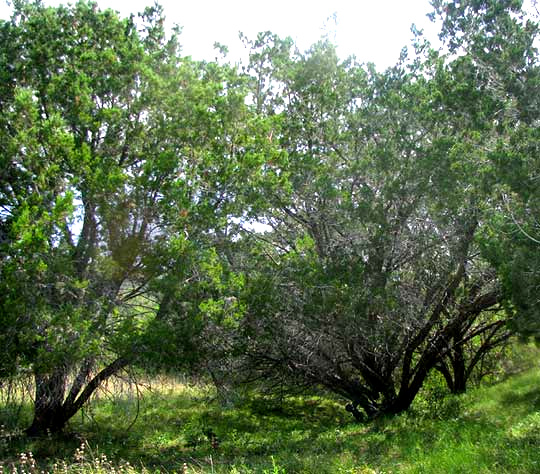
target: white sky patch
373 30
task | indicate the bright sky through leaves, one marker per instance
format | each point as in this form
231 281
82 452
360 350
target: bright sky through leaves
374 31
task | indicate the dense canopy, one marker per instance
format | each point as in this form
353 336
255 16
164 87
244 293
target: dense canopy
300 218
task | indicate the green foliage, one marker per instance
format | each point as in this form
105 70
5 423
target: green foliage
370 271
123 165
434 401
495 426
304 216
500 40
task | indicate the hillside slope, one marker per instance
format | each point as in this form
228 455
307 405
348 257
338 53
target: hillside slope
493 429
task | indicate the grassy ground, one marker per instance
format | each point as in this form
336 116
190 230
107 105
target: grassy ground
181 428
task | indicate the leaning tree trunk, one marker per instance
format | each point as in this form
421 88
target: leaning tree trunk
52 408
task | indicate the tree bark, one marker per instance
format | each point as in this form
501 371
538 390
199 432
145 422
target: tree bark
460 370
48 405
52 409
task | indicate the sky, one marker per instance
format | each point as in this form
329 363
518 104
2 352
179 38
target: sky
372 30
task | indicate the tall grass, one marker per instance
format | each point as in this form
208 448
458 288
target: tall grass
181 427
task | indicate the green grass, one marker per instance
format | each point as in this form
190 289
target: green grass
490 429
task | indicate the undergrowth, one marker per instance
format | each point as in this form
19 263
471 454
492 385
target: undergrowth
182 428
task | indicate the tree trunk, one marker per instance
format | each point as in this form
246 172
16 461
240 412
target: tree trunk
460 370
48 406
52 409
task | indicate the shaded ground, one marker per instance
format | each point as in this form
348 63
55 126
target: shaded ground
493 429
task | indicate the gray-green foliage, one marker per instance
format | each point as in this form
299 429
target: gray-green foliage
372 274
